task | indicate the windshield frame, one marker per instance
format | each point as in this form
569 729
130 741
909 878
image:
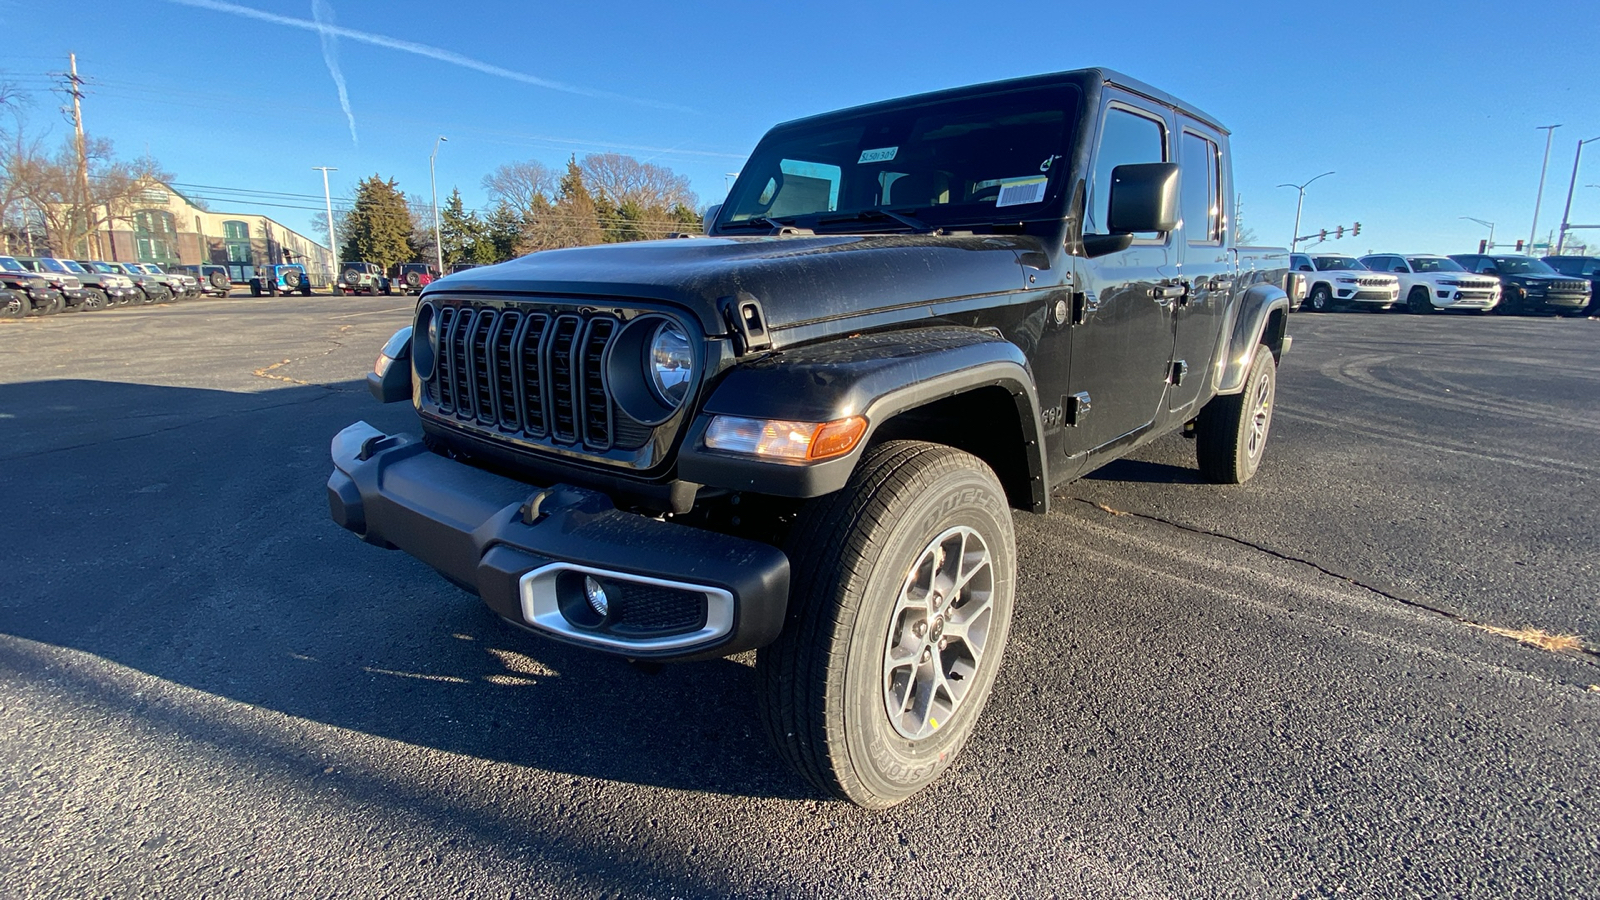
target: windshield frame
1428 265
1529 265
845 218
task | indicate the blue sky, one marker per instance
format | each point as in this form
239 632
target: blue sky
1426 111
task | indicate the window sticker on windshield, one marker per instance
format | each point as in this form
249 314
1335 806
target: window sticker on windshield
1017 191
882 154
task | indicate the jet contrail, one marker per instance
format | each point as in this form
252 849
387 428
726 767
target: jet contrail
437 53
322 13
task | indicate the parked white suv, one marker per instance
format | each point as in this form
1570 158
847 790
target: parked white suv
1429 282
1343 281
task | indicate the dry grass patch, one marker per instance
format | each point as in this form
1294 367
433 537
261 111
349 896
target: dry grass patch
1538 637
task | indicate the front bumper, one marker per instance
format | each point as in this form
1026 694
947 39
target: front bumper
526 549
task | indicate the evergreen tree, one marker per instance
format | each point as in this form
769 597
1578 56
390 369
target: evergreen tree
502 234
460 232
378 227
572 221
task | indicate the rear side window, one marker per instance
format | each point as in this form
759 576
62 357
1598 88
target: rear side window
1126 138
1201 204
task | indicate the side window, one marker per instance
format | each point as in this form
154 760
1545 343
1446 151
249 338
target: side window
1486 266
1201 207
1126 137
806 187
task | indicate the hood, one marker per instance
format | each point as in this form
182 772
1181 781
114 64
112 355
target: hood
797 278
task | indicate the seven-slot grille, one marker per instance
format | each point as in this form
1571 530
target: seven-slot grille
1371 282
537 374
1566 287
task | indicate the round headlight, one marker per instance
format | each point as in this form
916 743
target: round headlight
671 363
425 341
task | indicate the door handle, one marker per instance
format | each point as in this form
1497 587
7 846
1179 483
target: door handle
1166 293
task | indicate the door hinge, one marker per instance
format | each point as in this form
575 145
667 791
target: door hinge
1076 408
1179 369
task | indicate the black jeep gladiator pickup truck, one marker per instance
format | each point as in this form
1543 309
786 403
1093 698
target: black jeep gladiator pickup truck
804 432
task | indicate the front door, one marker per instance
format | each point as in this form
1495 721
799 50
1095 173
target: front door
1208 266
1122 348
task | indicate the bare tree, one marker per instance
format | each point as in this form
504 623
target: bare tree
620 180
526 187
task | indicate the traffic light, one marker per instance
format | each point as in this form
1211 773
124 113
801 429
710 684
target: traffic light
1324 234
1483 246
1338 233
1356 230
1519 246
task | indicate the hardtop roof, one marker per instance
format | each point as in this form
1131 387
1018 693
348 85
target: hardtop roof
1081 77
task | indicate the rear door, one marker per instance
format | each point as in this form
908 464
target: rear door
1123 345
1209 266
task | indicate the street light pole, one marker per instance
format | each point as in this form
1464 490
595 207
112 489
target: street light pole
1572 186
327 198
438 247
1294 239
1549 132
1483 222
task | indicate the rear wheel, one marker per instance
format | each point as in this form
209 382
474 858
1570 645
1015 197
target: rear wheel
1231 432
899 611
94 299
1419 302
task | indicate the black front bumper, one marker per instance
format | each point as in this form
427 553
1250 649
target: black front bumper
511 542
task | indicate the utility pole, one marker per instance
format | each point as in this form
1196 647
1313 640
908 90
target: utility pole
1295 239
1561 242
1549 132
85 208
438 248
333 244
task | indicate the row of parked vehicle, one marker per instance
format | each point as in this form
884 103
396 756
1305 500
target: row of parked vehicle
1425 283
45 285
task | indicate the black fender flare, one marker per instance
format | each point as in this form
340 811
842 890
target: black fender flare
877 376
1251 315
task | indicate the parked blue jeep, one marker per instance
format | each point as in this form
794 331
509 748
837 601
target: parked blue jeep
275 280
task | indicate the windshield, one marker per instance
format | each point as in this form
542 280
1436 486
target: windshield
961 160
1338 263
102 268
51 265
1434 264
151 268
1522 265
73 267
11 265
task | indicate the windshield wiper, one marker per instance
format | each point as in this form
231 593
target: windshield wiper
763 221
867 215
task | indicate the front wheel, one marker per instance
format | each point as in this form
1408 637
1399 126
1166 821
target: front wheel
1321 299
14 305
94 299
1231 432
1418 301
898 616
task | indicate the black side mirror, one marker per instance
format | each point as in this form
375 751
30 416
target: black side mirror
1144 197
711 217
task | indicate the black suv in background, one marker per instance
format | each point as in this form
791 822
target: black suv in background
1529 285
1585 267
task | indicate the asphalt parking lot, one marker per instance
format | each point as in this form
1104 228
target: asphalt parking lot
1288 688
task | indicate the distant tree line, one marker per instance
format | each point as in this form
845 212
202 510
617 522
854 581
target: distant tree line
602 198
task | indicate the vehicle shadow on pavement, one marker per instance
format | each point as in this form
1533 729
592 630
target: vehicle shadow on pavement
1142 472
184 533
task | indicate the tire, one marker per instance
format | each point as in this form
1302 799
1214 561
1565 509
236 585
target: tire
1321 299
220 283
859 628
1231 432
338 291
95 299
56 305
1419 302
15 305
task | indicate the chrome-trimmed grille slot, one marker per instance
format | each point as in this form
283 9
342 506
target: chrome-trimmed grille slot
529 342
591 370
505 382
562 379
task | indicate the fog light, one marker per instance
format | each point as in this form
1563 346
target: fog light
595 593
